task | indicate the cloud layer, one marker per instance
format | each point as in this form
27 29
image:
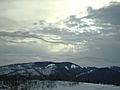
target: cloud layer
92 40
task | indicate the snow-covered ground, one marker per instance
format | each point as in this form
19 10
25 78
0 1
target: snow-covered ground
59 85
86 86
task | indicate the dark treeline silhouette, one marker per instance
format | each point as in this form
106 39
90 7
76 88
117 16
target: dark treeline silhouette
33 84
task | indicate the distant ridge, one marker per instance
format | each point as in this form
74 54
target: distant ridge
64 71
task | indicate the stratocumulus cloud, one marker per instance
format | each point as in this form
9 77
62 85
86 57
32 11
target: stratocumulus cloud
93 39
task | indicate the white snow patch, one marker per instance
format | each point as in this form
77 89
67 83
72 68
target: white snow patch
50 69
66 68
51 66
21 72
74 66
86 72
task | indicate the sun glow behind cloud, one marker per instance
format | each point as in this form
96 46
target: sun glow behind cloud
76 32
52 11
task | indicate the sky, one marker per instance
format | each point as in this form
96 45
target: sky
85 32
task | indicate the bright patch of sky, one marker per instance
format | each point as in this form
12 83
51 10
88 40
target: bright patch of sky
50 10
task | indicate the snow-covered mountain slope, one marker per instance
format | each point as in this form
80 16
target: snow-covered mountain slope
41 68
103 75
62 71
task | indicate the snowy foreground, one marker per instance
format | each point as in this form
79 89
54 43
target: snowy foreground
55 85
86 86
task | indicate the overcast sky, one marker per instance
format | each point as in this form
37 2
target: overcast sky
81 31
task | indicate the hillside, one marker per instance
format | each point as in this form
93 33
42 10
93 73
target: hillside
64 71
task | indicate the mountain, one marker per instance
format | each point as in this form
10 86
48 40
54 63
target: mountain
103 75
65 71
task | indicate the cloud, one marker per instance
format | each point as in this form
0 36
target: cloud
109 14
7 23
96 35
28 37
102 29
